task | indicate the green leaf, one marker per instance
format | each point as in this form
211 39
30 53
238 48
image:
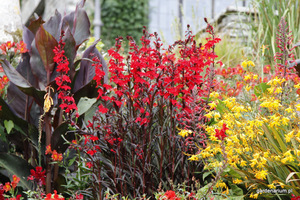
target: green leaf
9 125
260 89
206 174
221 107
15 165
85 104
2 135
237 191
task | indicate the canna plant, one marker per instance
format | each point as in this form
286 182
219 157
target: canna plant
43 91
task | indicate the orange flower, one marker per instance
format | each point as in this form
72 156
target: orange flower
15 181
240 70
224 72
7 187
267 69
48 149
21 47
10 44
56 156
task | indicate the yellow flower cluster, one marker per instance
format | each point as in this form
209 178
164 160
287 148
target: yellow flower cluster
248 63
258 139
271 103
250 76
184 133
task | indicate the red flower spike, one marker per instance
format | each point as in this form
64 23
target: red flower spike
62 81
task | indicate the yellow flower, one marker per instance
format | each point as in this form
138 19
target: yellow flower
247 63
237 181
244 64
247 77
230 102
209 115
278 90
251 63
289 136
217 116
184 133
243 163
261 174
214 95
248 88
254 196
271 186
297 86
288 157
289 110
212 105
194 158
284 121
221 184
48 103
281 184
298 107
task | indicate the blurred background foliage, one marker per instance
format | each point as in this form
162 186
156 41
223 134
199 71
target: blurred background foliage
265 24
123 18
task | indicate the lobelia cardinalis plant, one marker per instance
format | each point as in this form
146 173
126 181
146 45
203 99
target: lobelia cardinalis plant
43 91
131 145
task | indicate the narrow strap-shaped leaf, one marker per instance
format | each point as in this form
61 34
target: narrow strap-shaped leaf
15 165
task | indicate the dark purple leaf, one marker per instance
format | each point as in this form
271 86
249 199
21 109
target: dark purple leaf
70 50
24 128
19 101
79 24
23 84
22 103
57 142
35 25
28 37
37 67
89 90
53 25
86 72
25 70
45 43
14 76
80 4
